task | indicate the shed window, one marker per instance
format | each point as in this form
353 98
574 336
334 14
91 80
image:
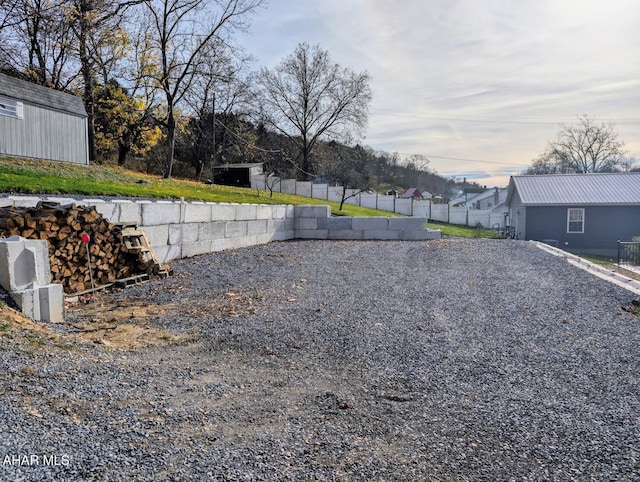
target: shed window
11 108
575 220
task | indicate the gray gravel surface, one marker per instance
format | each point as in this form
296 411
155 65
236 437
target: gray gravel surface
395 361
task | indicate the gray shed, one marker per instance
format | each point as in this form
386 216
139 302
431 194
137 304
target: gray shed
41 123
585 213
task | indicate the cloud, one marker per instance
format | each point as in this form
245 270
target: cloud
488 80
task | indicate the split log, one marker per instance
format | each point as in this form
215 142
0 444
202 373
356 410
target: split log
62 227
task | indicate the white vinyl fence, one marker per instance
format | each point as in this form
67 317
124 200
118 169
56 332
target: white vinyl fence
487 218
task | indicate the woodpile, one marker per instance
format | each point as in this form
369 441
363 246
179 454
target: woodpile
111 253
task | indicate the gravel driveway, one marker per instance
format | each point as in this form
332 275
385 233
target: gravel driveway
395 361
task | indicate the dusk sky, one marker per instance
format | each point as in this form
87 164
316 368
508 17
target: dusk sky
479 87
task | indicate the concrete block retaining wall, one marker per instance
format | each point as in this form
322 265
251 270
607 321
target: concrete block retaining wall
178 229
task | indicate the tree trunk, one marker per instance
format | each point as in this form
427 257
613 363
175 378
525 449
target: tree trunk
123 150
171 137
85 66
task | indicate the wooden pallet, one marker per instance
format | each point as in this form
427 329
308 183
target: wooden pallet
135 241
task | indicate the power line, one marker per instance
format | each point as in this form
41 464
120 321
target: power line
495 121
461 159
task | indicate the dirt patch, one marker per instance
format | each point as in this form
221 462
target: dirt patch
128 324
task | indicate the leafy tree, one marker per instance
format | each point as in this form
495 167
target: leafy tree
582 147
123 123
307 97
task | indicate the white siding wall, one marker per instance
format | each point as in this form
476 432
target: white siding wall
45 134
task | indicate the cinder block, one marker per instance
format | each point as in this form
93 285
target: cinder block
197 212
305 223
51 299
223 211
312 211
129 212
183 233
279 211
311 234
222 244
415 235
246 212
26 262
340 223
264 211
381 235
158 235
279 225
25 201
408 224
194 249
5 202
290 211
282 235
371 224
168 253
345 234
65 200
258 226
211 231
108 210
29 302
157 213
234 229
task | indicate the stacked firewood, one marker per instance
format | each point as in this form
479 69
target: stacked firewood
63 227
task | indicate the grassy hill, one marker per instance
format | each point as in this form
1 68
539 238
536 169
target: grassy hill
20 176
41 177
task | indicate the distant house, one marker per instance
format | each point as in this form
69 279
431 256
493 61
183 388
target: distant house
41 123
412 193
486 199
586 213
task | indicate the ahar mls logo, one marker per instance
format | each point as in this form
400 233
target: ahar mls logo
33 460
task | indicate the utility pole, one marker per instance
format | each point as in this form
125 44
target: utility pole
213 132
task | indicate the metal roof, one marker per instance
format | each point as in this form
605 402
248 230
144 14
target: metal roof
31 93
577 189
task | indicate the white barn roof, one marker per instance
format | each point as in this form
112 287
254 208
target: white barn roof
24 91
577 189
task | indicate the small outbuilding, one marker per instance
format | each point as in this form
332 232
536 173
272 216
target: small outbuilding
585 213
412 193
238 175
41 123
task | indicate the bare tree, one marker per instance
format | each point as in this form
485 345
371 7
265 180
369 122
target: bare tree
582 147
218 100
36 42
183 31
308 97
350 168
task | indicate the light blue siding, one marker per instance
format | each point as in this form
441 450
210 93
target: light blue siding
45 134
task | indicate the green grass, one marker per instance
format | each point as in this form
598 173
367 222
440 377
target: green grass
601 260
462 231
41 177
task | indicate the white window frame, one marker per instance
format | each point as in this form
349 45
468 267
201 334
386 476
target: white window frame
11 108
569 220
